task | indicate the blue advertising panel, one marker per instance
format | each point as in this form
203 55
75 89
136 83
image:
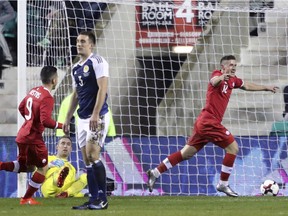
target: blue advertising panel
128 158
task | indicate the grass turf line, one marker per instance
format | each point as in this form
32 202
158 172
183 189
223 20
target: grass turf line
154 206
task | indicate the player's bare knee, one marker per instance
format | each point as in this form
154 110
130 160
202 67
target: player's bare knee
93 137
188 152
187 155
86 161
236 150
232 150
92 157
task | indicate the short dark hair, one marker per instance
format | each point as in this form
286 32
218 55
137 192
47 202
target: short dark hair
227 57
90 35
47 74
65 136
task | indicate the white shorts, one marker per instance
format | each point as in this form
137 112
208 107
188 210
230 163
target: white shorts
84 134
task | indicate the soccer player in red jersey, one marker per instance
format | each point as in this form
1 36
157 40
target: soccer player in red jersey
208 127
36 108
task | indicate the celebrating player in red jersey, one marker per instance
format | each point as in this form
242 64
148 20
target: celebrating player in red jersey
208 127
36 108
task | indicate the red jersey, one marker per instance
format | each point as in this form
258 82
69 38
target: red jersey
36 108
217 97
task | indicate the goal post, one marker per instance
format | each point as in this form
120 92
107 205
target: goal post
156 91
21 85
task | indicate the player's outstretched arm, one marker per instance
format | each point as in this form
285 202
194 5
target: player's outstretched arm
255 87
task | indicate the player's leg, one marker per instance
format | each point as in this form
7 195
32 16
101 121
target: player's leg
16 166
228 162
94 144
34 184
10 166
193 145
92 183
82 128
224 139
48 188
38 156
227 168
75 188
19 165
184 154
90 153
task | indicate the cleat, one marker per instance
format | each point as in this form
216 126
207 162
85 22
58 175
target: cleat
62 176
227 190
29 201
63 194
151 180
82 207
98 205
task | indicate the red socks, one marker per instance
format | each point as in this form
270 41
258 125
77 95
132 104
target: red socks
7 166
227 166
170 162
34 184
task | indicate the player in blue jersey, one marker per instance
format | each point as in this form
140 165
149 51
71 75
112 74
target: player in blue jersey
90 80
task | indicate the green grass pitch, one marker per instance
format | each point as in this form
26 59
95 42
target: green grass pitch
154 206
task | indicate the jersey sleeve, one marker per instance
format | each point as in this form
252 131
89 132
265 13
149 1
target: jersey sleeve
46 109
238 82
101 67
215 73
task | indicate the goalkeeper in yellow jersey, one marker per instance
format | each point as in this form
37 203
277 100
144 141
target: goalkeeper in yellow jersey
61 180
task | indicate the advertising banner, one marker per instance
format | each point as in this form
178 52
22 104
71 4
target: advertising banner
171 22
128 158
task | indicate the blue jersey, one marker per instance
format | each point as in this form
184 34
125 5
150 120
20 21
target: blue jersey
85 76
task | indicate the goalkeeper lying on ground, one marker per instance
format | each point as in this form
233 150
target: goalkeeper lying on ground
61 180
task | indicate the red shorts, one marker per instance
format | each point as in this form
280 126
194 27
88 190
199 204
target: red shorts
209 130
31 154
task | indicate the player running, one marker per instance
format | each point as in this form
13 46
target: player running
208 127
36 108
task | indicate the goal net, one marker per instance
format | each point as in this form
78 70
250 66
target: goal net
161 55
